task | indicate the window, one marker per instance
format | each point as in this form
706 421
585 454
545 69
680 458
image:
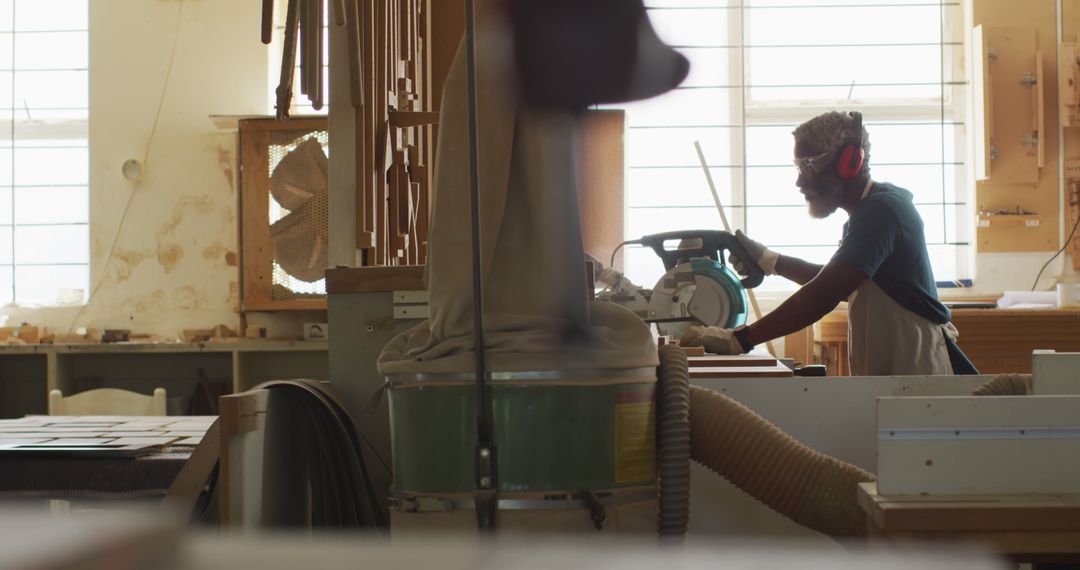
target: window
761 67
44 156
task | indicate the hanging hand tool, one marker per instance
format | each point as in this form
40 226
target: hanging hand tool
267 21
288 59
317 73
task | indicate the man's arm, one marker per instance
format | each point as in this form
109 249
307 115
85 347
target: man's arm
797 270
821 294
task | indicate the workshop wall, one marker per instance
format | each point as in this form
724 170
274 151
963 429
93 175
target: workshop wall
1017 271
174 264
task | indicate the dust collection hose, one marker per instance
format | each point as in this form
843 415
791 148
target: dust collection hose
1005 385
812 489
673 443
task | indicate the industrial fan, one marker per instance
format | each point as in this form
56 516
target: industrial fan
299 184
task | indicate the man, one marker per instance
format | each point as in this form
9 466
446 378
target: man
896 324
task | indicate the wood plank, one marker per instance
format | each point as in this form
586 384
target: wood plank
256 253
601 183
778 371
405 119
799 345
269 124
738 360
286 305
970 513
375 279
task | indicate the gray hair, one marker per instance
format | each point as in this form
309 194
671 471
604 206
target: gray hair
830 131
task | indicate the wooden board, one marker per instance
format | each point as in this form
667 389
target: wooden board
739 360
256 253
971 513
601 185
777 371
1070 32
375 279
27 334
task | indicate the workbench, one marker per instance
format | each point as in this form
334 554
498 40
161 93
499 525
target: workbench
996 340
1026 528
95 457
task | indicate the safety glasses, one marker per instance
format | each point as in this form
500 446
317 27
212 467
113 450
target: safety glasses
812 165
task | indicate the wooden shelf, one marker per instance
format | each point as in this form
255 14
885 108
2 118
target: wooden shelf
28 372
1011 220
287 305
159 348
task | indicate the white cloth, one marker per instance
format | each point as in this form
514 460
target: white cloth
536 308
885 339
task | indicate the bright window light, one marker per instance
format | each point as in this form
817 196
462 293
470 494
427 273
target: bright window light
761 67
44 156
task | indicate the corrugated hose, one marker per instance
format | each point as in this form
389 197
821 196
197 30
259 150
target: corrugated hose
810 488
1005 385
673 443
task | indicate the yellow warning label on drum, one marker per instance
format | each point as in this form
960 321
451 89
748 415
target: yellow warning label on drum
635 437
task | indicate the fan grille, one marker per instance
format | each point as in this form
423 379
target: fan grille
285 286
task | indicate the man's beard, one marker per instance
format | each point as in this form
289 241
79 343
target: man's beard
824 197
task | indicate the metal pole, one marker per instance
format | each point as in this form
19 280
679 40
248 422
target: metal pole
486 485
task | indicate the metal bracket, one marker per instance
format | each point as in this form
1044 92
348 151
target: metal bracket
991 53
1028 79
994 152
1030 142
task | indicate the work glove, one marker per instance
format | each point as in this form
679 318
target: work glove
715 339
763 256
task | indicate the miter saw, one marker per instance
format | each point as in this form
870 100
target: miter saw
698 288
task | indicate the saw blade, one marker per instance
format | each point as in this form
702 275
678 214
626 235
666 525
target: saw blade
683 297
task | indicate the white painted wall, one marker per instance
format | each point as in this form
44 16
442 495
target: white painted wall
174 262
1017 271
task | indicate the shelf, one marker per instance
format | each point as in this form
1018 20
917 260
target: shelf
29 372
287 305
1012 220
158 348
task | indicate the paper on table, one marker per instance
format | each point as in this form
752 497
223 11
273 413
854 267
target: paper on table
9 441
1028 300
71 442
142 441
148 433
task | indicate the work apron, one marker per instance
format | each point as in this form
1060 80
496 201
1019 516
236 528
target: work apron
885 339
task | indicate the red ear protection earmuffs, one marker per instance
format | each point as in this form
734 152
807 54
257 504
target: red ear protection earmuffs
851 158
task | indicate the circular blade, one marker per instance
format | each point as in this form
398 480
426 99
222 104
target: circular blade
710 303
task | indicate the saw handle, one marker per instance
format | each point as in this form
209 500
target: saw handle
713 245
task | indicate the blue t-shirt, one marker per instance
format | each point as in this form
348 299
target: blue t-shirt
884 239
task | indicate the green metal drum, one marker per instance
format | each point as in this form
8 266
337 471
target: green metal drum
573 430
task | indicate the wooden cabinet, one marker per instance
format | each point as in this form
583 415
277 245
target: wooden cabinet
996 340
